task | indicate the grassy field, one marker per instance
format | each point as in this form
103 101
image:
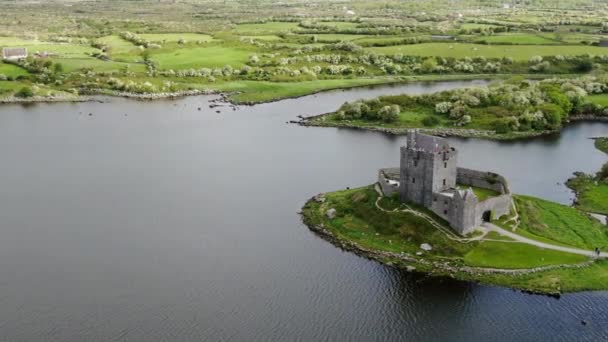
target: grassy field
10 70
120 49
200 57
517 255
590 196
601 99
97 65
560 223
461 50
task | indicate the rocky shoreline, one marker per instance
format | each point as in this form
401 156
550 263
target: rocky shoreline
441 132
412 263
43 99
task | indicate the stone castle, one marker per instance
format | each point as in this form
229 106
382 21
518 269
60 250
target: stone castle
429 176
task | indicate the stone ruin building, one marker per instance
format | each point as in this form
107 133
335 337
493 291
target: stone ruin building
429 176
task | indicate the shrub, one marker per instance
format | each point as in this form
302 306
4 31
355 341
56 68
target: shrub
430 121
24 92
443 107
502 126
389 113
602 175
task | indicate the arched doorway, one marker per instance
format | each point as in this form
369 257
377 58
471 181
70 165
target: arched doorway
487 216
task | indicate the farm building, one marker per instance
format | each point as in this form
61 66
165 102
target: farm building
14 53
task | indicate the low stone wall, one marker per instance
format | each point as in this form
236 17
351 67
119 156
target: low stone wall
485 180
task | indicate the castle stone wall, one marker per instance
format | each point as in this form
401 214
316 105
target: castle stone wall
498 206
480 179
388 174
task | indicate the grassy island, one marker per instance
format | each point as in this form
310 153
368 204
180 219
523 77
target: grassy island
512 109
592 190
384 229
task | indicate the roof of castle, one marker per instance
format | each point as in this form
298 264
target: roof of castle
428 143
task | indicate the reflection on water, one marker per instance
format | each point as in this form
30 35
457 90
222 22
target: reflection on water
157 221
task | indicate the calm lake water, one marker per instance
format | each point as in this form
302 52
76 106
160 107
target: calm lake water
155 221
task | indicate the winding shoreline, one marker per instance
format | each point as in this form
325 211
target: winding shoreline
439 269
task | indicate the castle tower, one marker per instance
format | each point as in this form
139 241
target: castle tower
428 165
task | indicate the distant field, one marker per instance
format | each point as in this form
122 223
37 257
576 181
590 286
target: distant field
520 38
269 37
601 100
174 37
11 70
121 49
339 24
62 49
97 65
473 26
271 27
199 57
461 50
327 38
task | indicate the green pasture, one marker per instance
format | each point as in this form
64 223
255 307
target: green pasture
601 99
462 50
10 70
199 57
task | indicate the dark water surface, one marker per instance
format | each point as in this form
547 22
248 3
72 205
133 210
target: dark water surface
155 221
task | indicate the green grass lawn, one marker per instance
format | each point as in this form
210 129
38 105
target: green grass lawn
517 255
199 57
600 99
560 223
61 49
9 87
461 50
12 70
591 196
97 65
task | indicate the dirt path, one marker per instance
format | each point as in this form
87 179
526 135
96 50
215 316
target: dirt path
522 239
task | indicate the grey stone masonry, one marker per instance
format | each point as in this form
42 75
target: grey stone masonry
429 176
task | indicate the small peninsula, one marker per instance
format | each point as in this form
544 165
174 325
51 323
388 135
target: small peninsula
513 109
433 217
